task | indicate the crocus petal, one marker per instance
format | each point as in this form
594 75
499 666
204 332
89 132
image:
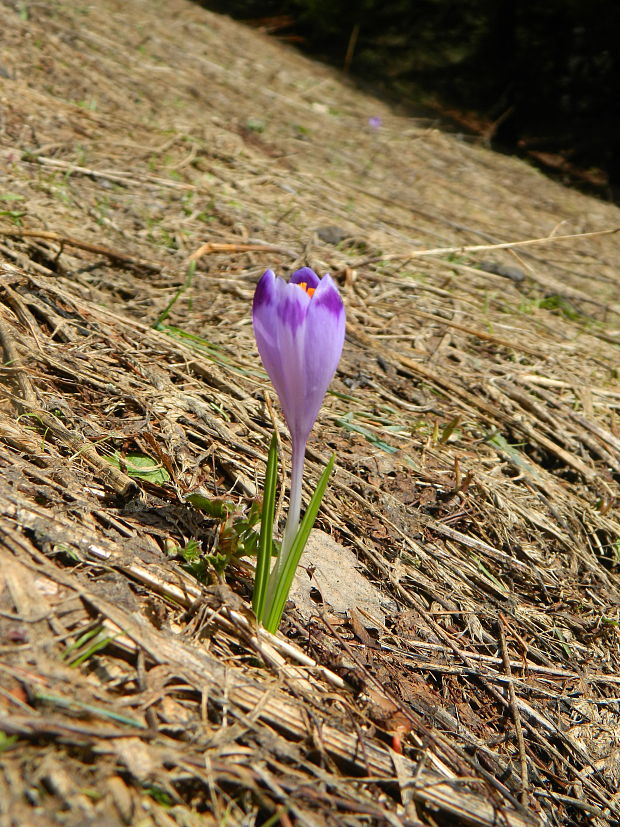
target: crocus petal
269 292
324 339
279 312
305 276
290 325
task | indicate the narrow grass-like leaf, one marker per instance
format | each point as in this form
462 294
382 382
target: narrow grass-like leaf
449 429
98 643
96 711
274 612
345 423
265 541
83 639
187 283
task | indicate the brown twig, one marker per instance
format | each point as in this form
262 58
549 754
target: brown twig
215 247
516 715
505 245
114 255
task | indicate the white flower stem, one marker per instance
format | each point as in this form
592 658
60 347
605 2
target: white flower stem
292 519
294 502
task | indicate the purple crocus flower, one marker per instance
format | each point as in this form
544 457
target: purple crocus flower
299 329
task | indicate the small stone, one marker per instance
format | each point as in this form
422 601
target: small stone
329 574
508 272
331 234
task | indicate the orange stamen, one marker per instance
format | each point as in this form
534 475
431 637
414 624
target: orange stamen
306 289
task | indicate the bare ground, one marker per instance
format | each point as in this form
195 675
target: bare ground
474 417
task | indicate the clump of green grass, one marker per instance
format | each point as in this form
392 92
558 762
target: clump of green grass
237 537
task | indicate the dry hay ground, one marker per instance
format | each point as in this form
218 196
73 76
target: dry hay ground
474 416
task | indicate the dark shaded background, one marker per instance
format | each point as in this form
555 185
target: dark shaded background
535 78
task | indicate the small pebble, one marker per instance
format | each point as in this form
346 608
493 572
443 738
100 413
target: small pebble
512 273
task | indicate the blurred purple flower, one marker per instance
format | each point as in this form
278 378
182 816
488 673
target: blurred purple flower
299 330
374 122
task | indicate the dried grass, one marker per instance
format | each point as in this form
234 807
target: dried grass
474 419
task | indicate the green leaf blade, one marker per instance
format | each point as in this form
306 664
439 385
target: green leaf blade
265 540
274 612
